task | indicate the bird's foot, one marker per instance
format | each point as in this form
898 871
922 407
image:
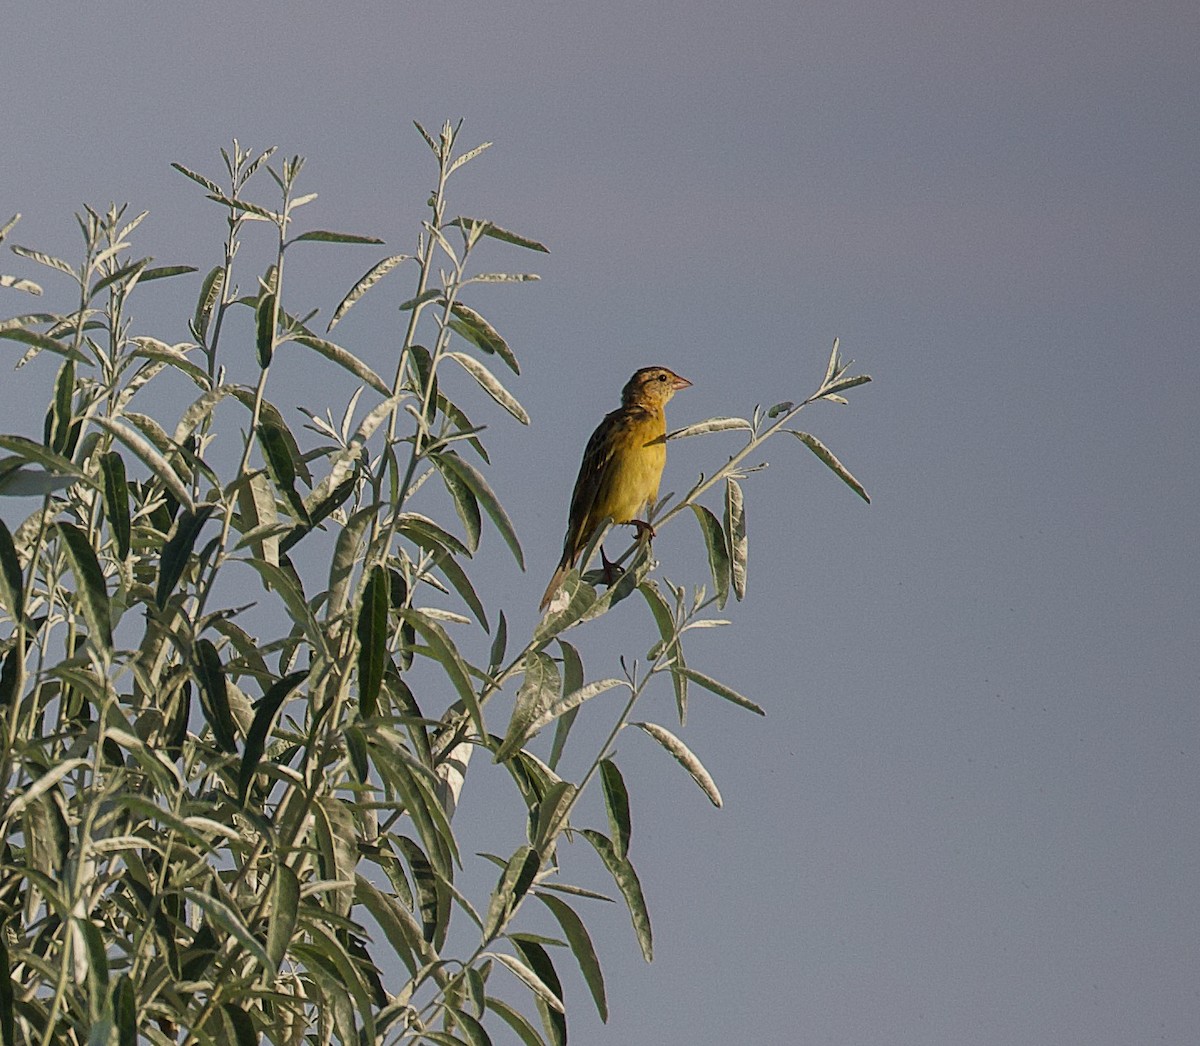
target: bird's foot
644 529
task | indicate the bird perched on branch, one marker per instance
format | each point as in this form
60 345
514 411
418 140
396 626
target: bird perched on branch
622 466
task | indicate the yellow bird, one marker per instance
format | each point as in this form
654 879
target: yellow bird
622 466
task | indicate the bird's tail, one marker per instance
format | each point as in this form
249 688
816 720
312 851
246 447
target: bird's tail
564 568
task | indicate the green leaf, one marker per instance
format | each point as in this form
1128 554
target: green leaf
89 580
344 359
244 1032
322 236
443 650
569 703
631 889
45 259
162 272
212 187
337 845
210 293
572 680
718 554
372 276
826 455
276 444
525 1031
372 631
397 923
685 757
540 989
12 581
465 503
37 342
260 727
231 921
16 284
661 613
616 805
581 947
721 690
124 1005
493 230
472 326
473 478
735 536
116 500
150 456
711 425
517 877
553 810
282 912
538 691
538 960
214 694
177 552
264 324
491 385
7 1024
423 808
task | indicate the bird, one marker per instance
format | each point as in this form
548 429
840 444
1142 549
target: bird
622 466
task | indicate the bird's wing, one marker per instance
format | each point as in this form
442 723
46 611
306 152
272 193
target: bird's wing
597 459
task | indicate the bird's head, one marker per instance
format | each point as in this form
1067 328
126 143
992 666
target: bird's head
652 387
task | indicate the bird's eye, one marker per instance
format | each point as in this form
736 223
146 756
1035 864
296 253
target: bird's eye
662 377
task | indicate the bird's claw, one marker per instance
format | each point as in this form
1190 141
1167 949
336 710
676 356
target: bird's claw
644 529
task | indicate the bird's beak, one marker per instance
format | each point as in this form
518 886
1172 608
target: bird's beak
680 383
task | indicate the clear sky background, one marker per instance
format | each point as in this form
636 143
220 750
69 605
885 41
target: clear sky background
971 814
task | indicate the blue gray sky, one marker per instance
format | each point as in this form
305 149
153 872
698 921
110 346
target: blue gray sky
970 815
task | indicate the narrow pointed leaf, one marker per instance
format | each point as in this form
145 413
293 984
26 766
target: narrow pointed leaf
346 360
517 877
473 478
264 324
150 456
616 804
372 631
372 276
538 691
493 230
282 913
443 650
711 425
721 690
735 535
210 293
177 552
838 469
580 943
491 385
12 580
214 695
631 889
89 580
39 342
516 1020
572 668
539 987
116 500
264 715
685 757
323 236
477 330
718 554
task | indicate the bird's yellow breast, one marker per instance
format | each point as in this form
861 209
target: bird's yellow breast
631 481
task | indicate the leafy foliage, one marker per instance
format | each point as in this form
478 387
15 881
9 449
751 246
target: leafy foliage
211 834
